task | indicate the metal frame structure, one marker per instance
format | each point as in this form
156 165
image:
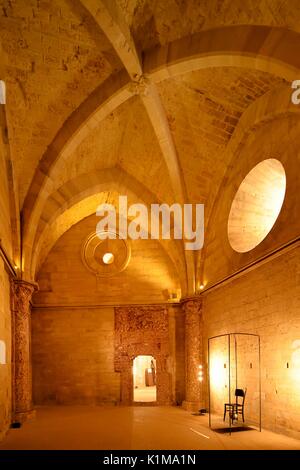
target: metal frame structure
229 336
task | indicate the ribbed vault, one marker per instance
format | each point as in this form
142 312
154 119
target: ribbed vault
151 99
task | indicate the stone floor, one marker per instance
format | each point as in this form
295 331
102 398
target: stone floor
137 427
145 394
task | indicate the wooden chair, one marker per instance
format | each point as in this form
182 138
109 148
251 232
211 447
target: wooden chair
234 409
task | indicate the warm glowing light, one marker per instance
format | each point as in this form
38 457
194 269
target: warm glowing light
218 376
200 373
108 258
201 287
256 205
295 361
144 370
2 352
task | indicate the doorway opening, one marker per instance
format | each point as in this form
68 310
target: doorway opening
144 379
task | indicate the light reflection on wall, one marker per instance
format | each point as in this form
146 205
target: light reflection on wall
140 364
295 361
2 352
218 373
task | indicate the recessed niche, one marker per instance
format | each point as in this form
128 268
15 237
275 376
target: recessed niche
256 205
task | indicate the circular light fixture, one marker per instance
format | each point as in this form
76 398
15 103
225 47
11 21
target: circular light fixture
256 205
108 258
105 257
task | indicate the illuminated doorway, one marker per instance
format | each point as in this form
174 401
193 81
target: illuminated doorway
144 379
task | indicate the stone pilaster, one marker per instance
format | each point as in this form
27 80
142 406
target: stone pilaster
193 354
21 293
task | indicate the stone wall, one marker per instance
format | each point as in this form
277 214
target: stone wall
73 356
266 301
219 258
65 280
5 318
5 338
84 355
74 332
5 226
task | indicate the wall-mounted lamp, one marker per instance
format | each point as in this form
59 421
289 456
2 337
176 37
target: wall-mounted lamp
200 286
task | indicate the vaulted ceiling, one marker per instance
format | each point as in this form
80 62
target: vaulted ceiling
136 97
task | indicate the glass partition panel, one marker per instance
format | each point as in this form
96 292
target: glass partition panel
234 382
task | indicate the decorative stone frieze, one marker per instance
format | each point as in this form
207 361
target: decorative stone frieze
142 330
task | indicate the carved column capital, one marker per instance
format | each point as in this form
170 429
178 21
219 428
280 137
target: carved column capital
22 293
192 307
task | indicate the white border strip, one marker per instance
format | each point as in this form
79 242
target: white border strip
2 92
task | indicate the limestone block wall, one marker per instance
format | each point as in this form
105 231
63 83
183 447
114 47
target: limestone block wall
266 301
5 227
73 356
74 327
65 280
84 355
5 353
5 318
219 259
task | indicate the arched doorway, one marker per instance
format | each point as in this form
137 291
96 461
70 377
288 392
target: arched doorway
144 379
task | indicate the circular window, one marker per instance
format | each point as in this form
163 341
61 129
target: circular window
256 205
105 257
108 258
